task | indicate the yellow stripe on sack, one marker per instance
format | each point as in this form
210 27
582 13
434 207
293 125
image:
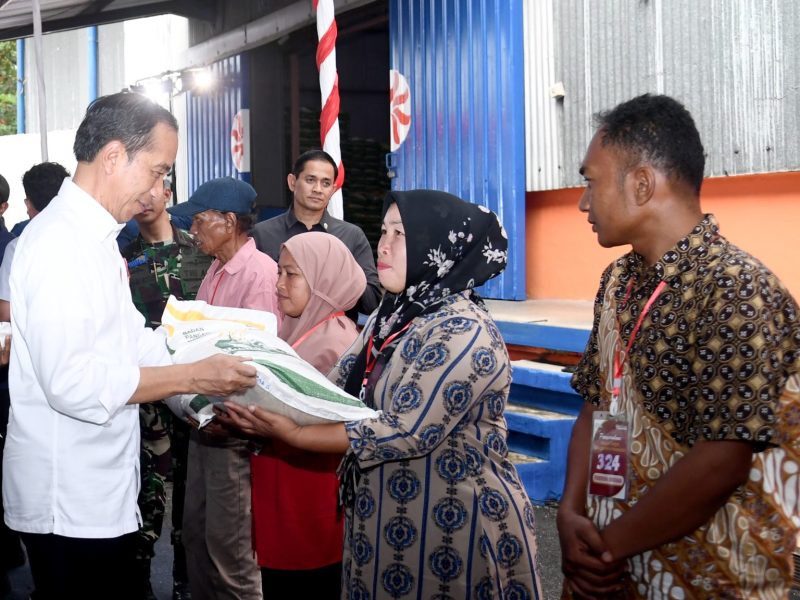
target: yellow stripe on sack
196 315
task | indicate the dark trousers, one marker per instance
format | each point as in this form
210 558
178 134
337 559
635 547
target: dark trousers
324 583
11 555
90 569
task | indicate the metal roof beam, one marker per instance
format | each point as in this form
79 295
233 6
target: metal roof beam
96 14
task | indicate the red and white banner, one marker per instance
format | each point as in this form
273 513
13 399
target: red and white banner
240 140
399 108
329 91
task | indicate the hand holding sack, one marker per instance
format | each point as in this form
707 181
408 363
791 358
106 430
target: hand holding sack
286 384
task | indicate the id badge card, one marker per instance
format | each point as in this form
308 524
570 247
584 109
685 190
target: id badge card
610 452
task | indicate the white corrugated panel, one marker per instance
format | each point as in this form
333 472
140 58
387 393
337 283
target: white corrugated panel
734 64
542 109
66 74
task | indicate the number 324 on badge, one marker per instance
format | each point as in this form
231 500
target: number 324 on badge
608 470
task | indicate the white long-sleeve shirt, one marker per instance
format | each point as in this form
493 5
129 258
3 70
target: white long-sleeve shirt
71 464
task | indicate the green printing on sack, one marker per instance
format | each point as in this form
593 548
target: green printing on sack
231 346
306 386
199 402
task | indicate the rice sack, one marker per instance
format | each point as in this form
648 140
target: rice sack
286 384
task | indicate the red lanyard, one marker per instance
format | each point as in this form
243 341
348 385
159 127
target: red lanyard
303 337
618 364
371 360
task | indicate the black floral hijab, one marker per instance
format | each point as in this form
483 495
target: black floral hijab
451 246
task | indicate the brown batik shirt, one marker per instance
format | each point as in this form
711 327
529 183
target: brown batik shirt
716 359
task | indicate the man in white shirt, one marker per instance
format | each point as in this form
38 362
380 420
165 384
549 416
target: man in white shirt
41 183
82 359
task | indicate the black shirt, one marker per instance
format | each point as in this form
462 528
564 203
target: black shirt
272 233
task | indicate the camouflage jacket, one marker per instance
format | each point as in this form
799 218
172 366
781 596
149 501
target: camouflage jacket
160 270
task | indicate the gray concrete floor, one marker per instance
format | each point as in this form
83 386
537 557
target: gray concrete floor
161 575
161 568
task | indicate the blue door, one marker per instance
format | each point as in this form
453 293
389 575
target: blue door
457 112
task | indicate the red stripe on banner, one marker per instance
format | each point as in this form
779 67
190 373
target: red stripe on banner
340 176
327 43
330 112
402 117
315 4
401 98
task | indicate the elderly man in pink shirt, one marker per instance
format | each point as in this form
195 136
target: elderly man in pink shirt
217 519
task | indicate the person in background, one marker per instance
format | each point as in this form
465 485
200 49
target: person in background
296 520
693 360
41 183
131 229
11 554
434 507
217 522
163 261
5 193
82 359
312 185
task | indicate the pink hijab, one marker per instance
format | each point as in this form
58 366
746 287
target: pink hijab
337 282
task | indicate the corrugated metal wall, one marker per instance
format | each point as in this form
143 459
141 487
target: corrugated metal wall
736 66
209 118
463 60
543 113
66 74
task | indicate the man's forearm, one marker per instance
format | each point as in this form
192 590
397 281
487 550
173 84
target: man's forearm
682 500
157 383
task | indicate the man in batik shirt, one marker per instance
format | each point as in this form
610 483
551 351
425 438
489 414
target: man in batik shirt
162 261
694 348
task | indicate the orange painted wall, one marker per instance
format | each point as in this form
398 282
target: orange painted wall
759 213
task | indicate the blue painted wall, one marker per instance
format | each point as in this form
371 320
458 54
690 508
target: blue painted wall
463 60
209 119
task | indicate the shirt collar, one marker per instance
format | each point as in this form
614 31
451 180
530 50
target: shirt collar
241 258
682 257
291 220
99 222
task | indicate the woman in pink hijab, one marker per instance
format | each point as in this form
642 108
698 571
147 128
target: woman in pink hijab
297 523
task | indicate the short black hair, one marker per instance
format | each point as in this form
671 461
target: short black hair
310 155
127 117
5 190
244 223
42 182
659 130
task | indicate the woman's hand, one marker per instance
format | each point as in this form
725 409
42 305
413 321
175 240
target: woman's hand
257 422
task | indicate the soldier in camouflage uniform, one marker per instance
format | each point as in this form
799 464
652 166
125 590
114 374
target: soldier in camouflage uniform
162 260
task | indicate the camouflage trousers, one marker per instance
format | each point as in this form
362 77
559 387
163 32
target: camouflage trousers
165 446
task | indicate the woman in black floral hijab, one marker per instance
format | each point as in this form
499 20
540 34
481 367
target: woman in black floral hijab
433 506
452 246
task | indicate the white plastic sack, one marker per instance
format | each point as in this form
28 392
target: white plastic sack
287 384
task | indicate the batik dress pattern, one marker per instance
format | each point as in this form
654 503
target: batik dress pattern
438 511
717 358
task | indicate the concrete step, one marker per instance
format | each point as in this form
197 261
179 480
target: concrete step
544 386
538 440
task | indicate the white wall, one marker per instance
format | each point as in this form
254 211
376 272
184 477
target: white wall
20 153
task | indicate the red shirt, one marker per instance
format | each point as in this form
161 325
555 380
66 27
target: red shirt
297 524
